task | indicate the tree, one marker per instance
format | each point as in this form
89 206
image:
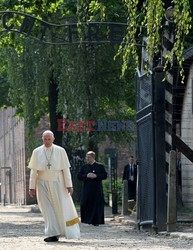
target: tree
4 101
153 19
147 18
92 91
43 86
29 86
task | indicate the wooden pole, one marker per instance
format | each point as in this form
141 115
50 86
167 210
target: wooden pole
171 208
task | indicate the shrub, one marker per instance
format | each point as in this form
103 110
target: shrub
107 190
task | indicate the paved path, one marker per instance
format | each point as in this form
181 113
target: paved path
22 229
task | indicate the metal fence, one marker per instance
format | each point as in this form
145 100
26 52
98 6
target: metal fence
145 149
151 151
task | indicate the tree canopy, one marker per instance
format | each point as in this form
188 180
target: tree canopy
79 82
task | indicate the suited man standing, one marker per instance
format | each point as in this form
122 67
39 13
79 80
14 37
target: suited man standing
130 174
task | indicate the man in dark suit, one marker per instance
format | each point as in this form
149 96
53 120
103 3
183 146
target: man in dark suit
130 174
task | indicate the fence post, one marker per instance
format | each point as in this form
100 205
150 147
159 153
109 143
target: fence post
171 208
4 199
125 198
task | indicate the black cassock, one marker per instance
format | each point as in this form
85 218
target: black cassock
92 202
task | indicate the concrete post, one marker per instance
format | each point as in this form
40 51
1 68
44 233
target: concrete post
4 156
171 208
13 154
125 197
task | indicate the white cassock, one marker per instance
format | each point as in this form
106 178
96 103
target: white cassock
50 176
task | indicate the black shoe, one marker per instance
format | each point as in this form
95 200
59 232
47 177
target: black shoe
95 225
51 239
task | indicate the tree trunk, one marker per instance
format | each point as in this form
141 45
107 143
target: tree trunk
54 115
92 144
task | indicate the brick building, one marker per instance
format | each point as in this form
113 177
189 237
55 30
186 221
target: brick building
12 158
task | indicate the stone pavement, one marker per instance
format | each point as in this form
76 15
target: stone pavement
21 229
184 225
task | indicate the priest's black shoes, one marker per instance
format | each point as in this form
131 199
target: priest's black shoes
51 239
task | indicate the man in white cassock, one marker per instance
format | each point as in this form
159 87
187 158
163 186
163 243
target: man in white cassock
50 179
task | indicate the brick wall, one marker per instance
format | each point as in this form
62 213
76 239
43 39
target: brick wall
12 157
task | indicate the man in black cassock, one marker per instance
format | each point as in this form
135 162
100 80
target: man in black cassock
92 202
130 174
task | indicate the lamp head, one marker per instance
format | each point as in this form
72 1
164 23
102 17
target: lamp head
169 13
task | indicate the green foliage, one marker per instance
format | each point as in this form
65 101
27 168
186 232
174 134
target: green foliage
28 77
154 12
4 89
107 191
88 80
113 10
29 64
93 91
183 25
149 21
129 47
35 7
